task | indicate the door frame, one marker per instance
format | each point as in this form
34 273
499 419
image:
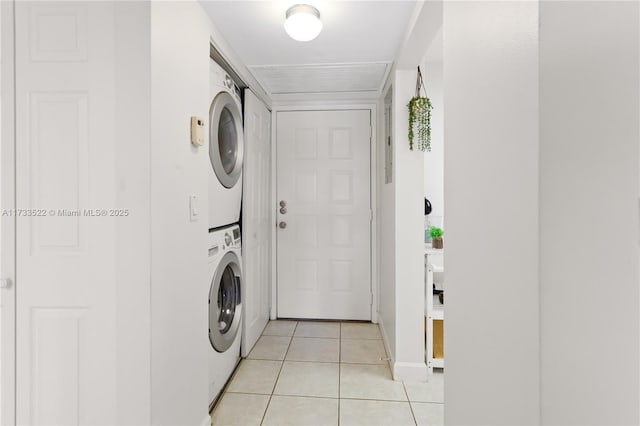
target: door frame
8 223
373 190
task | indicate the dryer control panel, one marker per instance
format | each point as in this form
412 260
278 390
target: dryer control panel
219 78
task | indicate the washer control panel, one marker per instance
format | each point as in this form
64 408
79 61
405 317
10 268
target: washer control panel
221 240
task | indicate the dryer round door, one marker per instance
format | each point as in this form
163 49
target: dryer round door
226 139
225 305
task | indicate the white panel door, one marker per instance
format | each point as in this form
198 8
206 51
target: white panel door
323 182
65 163
256 219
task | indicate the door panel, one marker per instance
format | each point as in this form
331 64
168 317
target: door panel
257 222
65 163
323 179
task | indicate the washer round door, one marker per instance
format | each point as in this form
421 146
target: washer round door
225 304
226 139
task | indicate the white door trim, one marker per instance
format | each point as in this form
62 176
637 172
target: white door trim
8 223
372 108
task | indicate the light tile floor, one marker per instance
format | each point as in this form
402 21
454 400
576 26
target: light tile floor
325 373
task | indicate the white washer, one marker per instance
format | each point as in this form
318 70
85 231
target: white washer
226 149
225 306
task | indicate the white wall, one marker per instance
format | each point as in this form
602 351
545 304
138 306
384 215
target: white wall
409 362
133 192
491 194
401 210
434 160
180 34
542 284
401 249
589 212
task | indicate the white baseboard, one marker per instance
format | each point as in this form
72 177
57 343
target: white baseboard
385 341
206 421
410 371
402 371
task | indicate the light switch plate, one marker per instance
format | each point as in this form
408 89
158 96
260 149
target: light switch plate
197 131
193 208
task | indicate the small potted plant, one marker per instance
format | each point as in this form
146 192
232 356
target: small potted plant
436 237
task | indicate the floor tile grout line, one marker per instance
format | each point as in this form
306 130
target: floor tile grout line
364 363
316 337
306 396
333 397
360 338
248 393
360 398
350 398
269 401
296 360
307 337
278 377
300 360
292 396
409 401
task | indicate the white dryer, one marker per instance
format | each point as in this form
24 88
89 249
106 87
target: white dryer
226 148
225 306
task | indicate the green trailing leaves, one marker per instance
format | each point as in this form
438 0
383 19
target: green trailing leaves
420 123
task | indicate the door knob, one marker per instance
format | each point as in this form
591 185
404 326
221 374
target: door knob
283 203
283 210
282 225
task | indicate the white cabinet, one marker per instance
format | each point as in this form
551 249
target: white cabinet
434 310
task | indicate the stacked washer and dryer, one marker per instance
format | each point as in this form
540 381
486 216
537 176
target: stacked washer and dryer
225 197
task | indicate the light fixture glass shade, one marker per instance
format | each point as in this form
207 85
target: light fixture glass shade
303 22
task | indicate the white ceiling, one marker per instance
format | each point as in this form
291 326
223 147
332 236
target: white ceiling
355 34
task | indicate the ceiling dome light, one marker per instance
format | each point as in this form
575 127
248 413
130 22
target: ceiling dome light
303 22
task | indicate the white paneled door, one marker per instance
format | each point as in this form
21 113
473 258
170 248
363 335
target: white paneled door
256 219
65 156
324 214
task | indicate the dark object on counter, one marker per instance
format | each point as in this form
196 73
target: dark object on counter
427 206
439 293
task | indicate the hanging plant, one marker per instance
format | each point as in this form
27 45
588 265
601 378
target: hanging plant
420 118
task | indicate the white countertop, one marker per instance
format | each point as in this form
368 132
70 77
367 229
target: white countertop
430 250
